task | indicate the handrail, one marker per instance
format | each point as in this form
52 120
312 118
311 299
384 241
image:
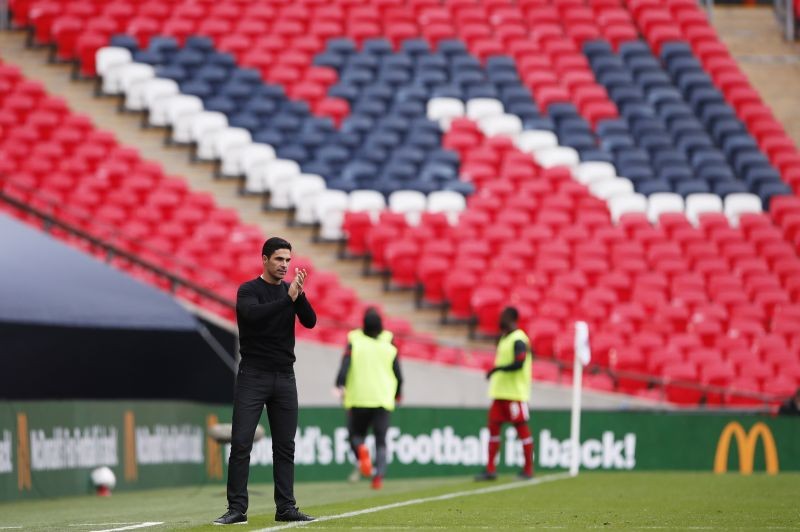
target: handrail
179 281
784 13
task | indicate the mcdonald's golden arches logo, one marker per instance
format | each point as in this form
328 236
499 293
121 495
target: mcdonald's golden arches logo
746 443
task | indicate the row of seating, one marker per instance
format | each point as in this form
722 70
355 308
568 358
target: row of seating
535 159
58 162
585 268
693 28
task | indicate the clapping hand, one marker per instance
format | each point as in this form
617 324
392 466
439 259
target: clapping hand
296 288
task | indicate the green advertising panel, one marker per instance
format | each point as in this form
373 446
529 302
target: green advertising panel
49 449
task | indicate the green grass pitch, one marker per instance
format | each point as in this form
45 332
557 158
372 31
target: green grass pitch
636 501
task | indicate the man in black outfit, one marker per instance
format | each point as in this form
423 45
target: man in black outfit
265 311
791 407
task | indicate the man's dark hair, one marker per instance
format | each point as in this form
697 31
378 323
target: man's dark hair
373 324
512 313
274 244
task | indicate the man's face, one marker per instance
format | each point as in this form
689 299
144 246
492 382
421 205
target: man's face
506 321
277 265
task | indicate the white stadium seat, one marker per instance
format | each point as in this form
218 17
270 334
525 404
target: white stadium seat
478 108
158 88
503 124
532 141
165 111
329 208
211 145
120 77
697 204
559 156
447 201
591 171
108 57
740 203
411 203
370 201
253 163
276 172
302 197
611 188
206 122
626 203
663 202
444 110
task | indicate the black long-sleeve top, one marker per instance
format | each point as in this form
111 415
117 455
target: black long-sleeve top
265 314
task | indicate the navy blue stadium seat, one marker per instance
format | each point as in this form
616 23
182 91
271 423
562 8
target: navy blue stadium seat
594 154
173 72
767 191
462 187
245 120
342 45
198 88
212 74
296 152
164 46
596 48
270 136
148 57
676 173
452 47
221 104
260 106
481 91
524 110
200 43
330 59
377 46
126 41
415 47
673 49
692 186
652 186
630 49
612 143
723 188
222 59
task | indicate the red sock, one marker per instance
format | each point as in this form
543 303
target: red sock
524 434
494 446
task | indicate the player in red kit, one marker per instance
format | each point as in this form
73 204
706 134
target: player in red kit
510 389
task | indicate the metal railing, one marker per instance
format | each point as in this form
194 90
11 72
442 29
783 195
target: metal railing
466 357
784 13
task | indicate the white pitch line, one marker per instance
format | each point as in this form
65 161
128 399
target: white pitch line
10 527
411 502
103 524
140 525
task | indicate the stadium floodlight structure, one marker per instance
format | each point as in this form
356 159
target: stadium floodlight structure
583 355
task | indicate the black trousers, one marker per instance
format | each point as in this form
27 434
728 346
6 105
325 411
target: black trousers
359 420
278 391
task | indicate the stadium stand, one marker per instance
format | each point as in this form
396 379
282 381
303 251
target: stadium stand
602 160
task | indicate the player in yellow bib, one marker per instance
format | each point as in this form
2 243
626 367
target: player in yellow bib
510 389
369 381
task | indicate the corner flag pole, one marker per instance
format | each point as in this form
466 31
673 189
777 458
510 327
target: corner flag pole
583 355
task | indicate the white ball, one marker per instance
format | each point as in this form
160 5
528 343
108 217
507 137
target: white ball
103 476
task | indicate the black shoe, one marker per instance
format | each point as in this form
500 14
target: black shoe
522 475
485 475
232 517
292 514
